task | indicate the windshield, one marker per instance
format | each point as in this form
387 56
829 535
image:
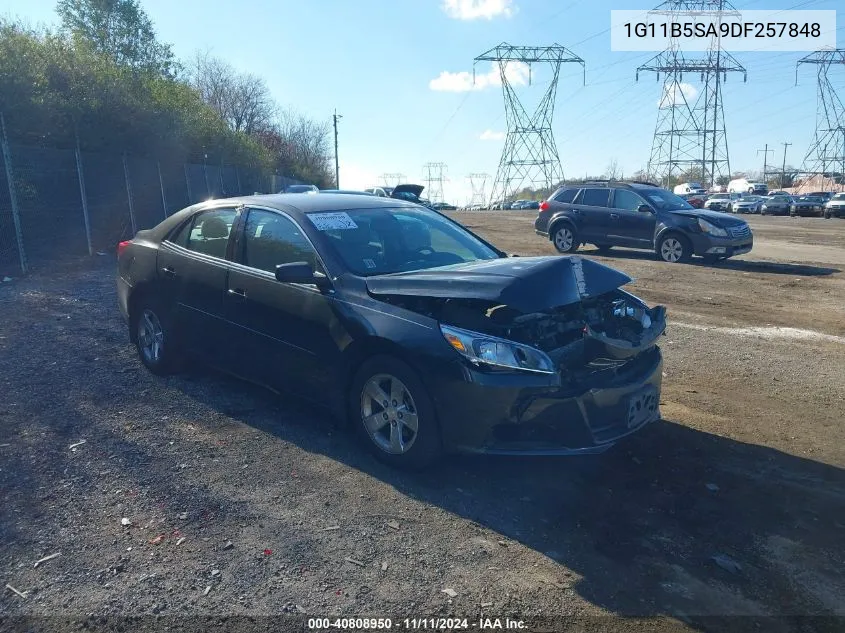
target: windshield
380 241
780 199
301 188
809 199
750 199
665 200
839 196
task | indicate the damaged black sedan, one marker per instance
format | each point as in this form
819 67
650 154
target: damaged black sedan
427 338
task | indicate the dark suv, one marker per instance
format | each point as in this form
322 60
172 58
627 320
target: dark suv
639 215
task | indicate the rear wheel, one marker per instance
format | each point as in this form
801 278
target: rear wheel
153 334
674 248
565 238
393 413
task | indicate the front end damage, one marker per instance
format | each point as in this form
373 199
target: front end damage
606 366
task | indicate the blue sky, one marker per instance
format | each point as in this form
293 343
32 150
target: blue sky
374 60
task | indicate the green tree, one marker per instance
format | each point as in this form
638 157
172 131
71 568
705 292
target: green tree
119 29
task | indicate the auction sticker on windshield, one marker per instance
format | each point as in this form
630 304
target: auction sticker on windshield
332 221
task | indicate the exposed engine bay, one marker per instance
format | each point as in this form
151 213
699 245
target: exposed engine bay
602 334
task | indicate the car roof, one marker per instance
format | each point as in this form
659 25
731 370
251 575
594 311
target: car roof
323 201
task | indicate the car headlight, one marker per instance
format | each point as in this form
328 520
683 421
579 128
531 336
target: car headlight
489 350
711 229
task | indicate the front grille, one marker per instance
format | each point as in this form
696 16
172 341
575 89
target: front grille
740 232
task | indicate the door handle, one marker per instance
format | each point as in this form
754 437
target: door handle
168 271
576 211
614 216
239 293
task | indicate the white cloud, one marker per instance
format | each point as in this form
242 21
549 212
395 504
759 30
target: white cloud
475 9
516 72
490 135
676 94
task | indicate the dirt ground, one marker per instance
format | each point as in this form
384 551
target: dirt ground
729 514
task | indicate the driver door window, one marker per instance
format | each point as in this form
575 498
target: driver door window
271 239
626 200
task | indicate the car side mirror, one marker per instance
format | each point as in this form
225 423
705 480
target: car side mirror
301 273
644 208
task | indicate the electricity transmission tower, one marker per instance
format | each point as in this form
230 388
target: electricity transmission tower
826 155
392 179
529 157
690 131
435 176
478 185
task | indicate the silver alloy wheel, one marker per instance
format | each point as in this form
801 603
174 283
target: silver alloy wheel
388 414
671 250
150 336
564 239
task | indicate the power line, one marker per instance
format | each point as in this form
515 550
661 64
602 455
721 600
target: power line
434 177
690 131
826 155
530 156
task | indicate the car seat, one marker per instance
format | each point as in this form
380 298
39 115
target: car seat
215 236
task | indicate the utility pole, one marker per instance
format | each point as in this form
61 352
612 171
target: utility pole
434 178
783 169
825 157
690 131
529 157
765 158
335 117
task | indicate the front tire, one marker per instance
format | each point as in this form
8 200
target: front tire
565 238
674 248
393 414
153 334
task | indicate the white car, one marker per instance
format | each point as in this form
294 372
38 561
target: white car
743 185
747 204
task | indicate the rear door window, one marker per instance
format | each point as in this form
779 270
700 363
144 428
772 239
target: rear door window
595 197
566 196
207 232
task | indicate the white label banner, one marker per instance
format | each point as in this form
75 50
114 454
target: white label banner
766 31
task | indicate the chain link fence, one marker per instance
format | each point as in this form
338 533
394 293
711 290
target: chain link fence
60 203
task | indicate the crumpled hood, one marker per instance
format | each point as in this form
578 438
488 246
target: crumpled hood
716 217
527 284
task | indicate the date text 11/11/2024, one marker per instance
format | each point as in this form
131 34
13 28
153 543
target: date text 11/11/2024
415 624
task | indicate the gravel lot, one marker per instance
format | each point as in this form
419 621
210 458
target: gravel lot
241 502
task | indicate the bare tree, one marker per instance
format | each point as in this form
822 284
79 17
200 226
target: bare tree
301 148
613 171
241 99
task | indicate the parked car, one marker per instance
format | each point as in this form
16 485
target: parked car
443 206
721 201
694 188
424 336
835 207
807 205
378 191
780 193
776 205
743 185
695 200
747 204
300 189
824 195
639 216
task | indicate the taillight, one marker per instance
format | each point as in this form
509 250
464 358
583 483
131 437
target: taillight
122 247
544 205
